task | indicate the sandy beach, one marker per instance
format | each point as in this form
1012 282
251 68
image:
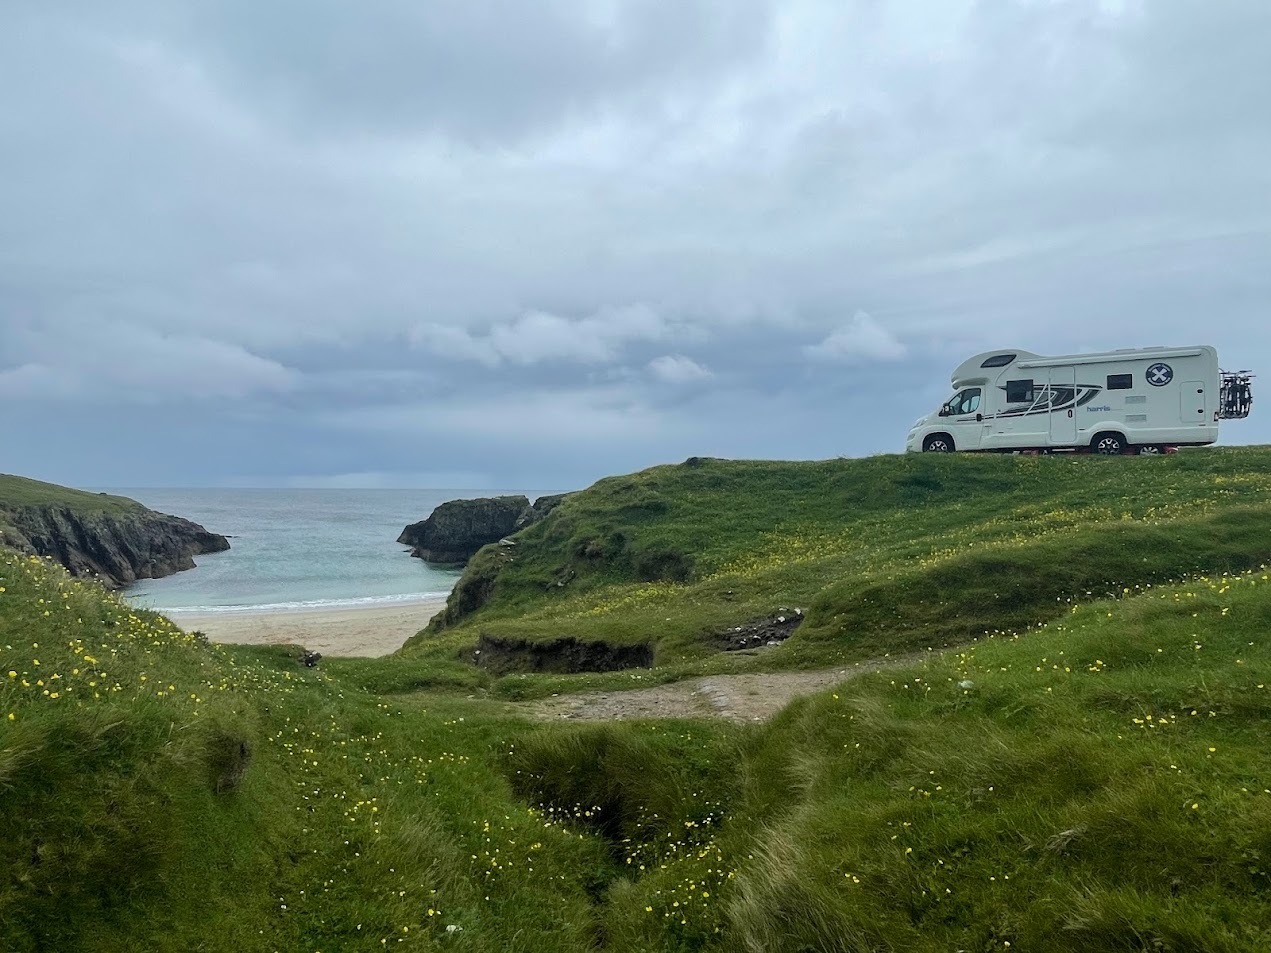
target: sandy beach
364 630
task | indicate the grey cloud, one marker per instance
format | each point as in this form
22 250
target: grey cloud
545 418
536 337
332 234
31 380
485 70
136 364
678 369
861 340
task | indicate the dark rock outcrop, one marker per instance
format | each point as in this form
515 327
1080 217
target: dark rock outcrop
120 543
456 530
541 507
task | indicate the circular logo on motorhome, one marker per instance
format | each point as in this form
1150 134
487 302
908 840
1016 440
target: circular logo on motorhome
1158 375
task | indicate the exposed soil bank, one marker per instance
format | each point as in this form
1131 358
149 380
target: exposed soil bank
562 656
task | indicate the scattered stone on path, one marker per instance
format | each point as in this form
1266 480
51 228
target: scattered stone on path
760 633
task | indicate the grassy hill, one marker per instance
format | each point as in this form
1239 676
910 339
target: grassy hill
1092 774
886 554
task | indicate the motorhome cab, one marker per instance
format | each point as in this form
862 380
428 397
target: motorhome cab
1147 400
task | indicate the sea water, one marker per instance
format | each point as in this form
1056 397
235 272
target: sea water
297 549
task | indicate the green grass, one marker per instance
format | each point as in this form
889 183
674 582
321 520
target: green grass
1085 768
17 492
124 827
1099 784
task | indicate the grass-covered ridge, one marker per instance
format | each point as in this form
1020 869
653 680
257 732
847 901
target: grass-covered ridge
887 554
17 492
114 539
21 493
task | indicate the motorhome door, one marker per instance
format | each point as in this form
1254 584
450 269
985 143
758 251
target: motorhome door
965 414
1063 394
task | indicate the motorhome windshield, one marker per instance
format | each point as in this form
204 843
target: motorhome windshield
966 401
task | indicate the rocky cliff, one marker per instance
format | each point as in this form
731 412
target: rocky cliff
112 538
456 530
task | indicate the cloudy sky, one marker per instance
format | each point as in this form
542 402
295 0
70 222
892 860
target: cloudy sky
405 243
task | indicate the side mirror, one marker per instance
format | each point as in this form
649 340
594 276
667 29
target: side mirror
944 411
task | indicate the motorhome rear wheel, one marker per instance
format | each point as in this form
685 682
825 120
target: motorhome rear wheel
1108 444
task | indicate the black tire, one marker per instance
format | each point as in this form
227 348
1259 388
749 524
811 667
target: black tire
938 443
1151 450
1108 444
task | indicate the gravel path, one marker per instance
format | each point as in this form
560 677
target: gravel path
754 697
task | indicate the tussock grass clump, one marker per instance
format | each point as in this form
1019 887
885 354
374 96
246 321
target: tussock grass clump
631 783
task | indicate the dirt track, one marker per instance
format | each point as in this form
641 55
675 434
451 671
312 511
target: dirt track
754 697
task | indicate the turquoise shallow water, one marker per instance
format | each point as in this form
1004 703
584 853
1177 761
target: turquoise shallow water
296 549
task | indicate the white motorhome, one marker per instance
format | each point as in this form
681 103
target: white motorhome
1145 400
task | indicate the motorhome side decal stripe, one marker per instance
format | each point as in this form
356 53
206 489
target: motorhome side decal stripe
1063 398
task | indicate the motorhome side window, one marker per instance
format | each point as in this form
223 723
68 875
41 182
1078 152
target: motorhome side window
1120 381
1019 392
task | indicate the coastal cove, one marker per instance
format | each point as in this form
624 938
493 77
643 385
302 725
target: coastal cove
297 551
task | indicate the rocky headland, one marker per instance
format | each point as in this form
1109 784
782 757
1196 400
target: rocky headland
111 538
456 530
